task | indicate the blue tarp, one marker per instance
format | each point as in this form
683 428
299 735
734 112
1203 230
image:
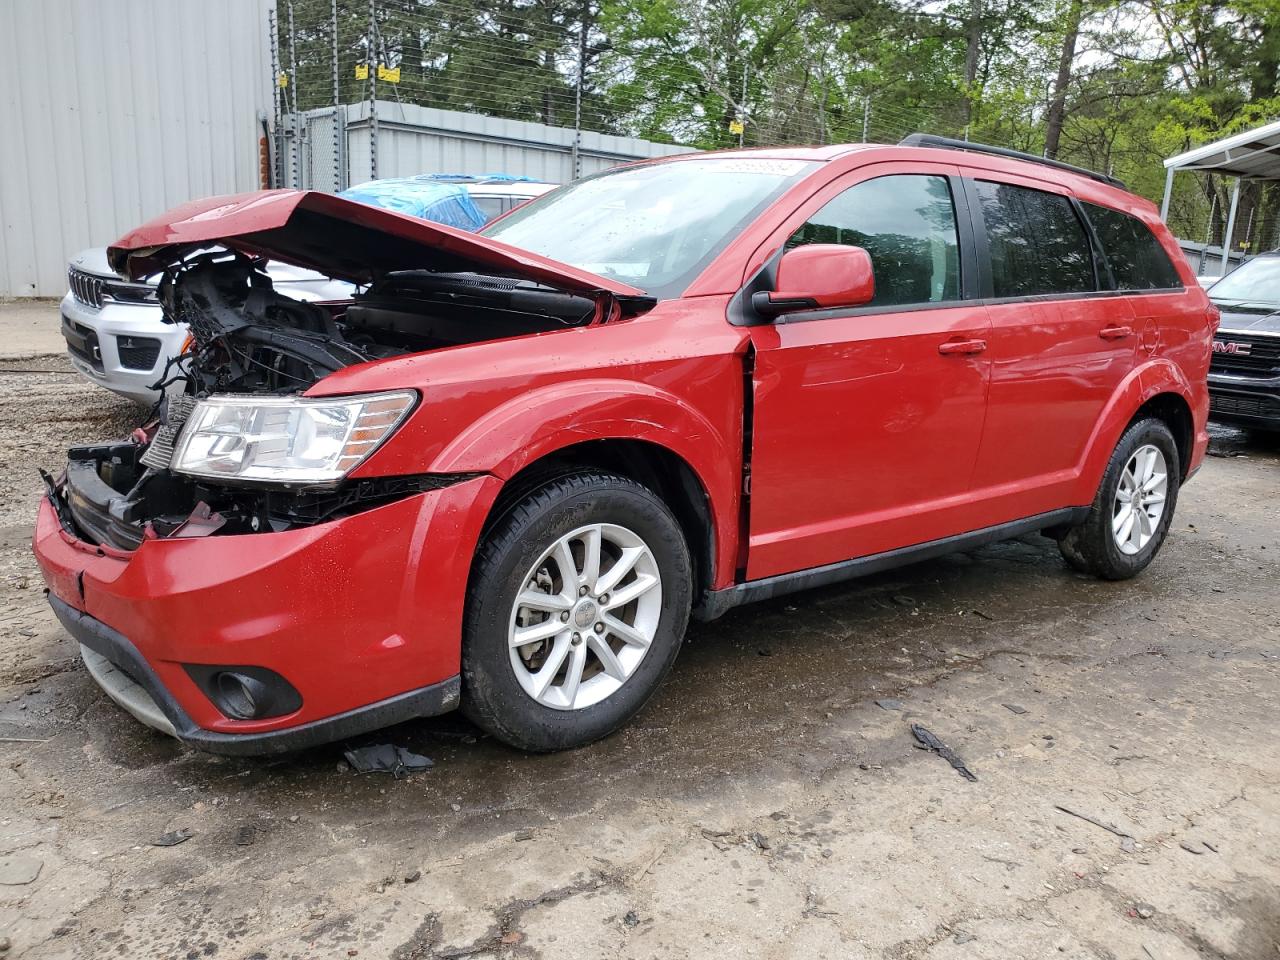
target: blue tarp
479 178
424 197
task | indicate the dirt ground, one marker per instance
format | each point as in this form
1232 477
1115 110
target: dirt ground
769 803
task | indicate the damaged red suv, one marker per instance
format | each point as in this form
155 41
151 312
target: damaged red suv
504 475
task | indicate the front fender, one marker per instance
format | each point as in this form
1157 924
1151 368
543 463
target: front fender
1153 378
532 425
543 421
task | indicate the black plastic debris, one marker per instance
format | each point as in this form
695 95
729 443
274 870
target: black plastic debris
386 758
173 838
888 704
930 741
246 835
1014 708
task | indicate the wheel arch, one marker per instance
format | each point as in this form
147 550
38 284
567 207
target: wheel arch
1175 412
1157 388
655 467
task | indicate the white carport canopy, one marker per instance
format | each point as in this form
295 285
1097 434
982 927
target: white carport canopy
1252 155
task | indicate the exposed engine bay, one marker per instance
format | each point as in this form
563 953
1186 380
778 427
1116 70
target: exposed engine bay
248 339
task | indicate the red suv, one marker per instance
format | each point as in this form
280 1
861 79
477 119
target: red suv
504 475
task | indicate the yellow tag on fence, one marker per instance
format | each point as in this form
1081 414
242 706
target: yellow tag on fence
282 80
362 71
389 74
736 126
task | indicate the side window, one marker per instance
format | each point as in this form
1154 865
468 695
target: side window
908 226
1137 260
1038 245
490 206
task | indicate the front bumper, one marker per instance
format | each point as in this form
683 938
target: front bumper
94 344
1243 400
362 615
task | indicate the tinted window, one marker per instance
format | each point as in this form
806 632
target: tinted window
1137 260
1038 245
908 226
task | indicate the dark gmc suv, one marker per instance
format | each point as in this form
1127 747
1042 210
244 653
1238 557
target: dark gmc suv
1244 376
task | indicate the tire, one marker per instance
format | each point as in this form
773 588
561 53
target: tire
505 690
1095 546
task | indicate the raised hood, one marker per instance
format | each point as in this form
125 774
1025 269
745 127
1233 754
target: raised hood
339 238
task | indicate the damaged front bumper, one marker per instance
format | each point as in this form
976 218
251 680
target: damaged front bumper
356 621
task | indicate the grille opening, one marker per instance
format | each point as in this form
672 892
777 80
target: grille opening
85 287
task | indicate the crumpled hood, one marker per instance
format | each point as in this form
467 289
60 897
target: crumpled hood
339 238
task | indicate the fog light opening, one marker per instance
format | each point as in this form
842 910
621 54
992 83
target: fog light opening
242 697
242 692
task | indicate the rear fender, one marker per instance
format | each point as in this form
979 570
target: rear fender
1155 377
537 424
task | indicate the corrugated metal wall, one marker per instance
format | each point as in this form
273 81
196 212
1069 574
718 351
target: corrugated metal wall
414 139
116 111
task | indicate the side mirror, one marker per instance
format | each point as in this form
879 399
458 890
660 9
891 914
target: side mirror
817 276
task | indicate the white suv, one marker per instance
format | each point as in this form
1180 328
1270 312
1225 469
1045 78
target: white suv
116 335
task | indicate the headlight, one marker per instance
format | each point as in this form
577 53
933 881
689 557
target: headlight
286 439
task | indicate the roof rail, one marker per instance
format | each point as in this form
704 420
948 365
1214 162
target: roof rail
947 143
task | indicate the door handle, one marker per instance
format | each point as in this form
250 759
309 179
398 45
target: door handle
961 348
1115 333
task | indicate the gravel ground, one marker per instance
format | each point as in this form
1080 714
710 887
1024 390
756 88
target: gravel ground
770 803
45 407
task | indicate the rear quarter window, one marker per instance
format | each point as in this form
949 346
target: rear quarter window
1135 256
1037 244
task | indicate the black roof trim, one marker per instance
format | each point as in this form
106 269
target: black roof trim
947 143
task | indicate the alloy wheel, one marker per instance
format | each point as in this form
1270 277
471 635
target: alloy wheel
585 617
1140 499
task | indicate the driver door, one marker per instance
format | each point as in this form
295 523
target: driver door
867 421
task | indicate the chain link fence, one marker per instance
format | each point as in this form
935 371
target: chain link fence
549 62
1199 214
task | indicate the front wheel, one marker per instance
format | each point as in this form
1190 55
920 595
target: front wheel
578 601
1131 514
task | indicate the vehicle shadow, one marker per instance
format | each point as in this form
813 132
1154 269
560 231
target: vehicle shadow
1228 440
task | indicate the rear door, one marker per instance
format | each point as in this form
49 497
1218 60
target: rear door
1139 267
866 421
1060 342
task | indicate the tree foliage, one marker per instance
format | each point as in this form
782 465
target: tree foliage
1111 87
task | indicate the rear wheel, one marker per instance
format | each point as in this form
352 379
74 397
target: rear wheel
579 598
1130 516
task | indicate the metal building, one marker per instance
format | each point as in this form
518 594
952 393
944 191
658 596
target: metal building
115 112
118 110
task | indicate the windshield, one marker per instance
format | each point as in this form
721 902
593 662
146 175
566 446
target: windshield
1257 280
654 226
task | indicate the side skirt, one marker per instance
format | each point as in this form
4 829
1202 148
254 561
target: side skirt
718 602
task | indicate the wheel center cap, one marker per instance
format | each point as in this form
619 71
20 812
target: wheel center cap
584 614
